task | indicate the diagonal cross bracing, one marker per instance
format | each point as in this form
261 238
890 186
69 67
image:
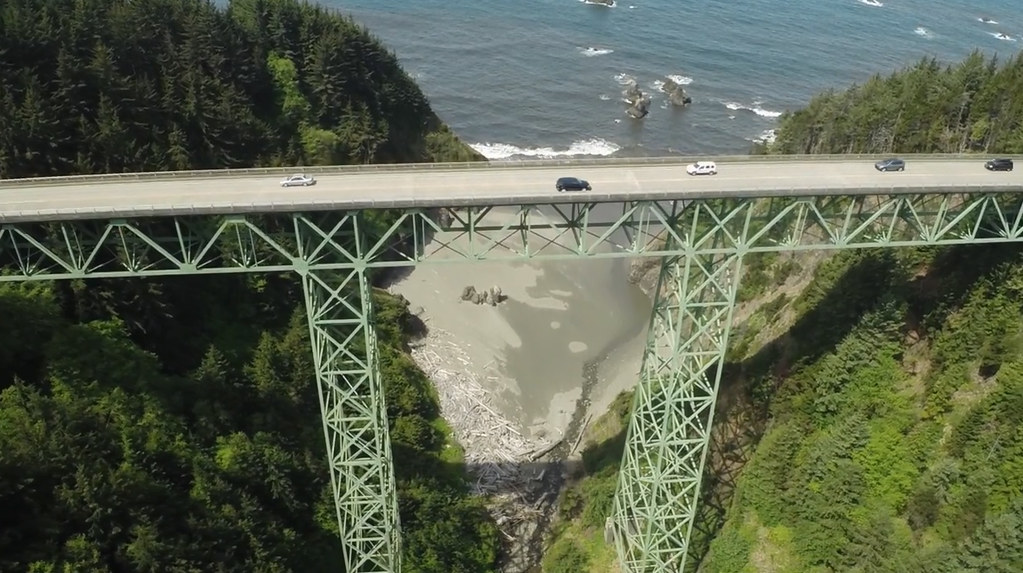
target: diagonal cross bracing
110 248
339 312
701 243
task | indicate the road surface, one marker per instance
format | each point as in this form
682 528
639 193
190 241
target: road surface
82 198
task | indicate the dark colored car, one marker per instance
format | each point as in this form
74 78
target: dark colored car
572 184
893 164
999 165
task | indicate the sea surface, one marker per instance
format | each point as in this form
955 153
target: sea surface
544 78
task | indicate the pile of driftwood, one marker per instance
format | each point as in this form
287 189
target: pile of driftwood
496 453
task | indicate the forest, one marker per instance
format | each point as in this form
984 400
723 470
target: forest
974 105
881 430
172 425
100 86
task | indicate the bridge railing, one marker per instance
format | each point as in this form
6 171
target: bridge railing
477 165
143 210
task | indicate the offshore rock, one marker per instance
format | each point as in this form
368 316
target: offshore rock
608 3
638 102
676 93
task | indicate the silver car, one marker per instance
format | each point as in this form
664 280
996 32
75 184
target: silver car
299 180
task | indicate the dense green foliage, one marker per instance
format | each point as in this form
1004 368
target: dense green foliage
173 425
895 403
896 449
115 85
975 105
124 450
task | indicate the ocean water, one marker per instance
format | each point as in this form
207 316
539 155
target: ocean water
543 78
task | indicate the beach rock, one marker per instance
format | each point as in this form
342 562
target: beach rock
492 296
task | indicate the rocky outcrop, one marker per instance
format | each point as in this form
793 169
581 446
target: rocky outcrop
676 93
638 102
644 271
608 3
491 296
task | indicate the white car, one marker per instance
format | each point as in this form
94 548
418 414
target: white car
299 180
702 168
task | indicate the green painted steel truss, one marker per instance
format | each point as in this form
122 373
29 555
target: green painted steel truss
701 242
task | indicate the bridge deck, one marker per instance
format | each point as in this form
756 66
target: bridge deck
245 192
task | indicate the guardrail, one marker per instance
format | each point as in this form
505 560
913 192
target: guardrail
272 206
492 164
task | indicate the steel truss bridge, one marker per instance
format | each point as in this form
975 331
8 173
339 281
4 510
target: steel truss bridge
362 218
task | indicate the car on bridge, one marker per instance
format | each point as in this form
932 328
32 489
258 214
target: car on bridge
999 165
702 168
892 164
572 184
299 180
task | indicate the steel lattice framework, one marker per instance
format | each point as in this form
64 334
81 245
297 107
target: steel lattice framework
701 243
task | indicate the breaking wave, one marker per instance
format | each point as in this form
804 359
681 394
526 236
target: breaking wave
590 51
755 108
1002 36
591 147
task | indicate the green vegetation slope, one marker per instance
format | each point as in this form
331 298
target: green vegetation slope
173 425
881 431
117 85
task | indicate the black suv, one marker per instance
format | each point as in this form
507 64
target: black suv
893 164
572 184
999 165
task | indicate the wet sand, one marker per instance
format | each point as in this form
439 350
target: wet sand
532 348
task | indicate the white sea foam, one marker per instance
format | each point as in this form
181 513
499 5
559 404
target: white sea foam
590 51
755 108
658 85
1002 36
987 20
605 97
921 31
592 3
680 79
624 79
872 3
592 147
766 137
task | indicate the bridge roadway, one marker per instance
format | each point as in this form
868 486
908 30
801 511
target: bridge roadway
242 191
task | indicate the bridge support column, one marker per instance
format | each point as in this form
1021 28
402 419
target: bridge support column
673 408
340 311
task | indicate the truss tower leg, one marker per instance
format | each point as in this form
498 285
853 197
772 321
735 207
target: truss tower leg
339 309
673 408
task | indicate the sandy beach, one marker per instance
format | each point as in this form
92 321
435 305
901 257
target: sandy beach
528 352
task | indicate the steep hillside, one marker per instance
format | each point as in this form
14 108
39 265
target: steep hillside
115 85
893 404
173 424
868 418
